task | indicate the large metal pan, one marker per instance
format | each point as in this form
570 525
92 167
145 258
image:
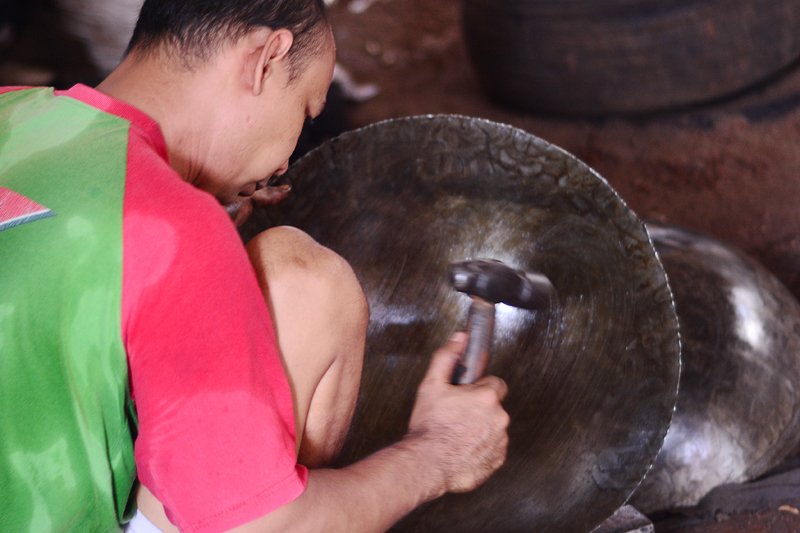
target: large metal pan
592 380
738 411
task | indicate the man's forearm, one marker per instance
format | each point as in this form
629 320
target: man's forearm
367 496
457 438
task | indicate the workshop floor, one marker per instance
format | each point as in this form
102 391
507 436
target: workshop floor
731 169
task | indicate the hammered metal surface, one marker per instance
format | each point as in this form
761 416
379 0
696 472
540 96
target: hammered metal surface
592 379
738 411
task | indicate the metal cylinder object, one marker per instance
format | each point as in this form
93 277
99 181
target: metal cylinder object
480 322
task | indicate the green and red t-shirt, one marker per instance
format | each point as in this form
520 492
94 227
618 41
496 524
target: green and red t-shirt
120 281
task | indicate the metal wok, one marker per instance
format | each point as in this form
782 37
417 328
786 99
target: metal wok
738 411
592 380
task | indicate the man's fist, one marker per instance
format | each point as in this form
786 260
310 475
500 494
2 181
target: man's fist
464 426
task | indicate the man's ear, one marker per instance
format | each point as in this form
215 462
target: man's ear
267 50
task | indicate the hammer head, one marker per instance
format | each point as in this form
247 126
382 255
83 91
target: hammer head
496 282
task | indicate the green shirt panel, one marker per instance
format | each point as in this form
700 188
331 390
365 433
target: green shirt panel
66 419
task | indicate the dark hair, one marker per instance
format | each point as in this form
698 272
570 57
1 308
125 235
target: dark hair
195 30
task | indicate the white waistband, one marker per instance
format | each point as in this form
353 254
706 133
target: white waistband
140 524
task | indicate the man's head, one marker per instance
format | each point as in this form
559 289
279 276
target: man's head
231 83
193 31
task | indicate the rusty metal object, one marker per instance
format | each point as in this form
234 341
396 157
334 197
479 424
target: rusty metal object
592 378
738 410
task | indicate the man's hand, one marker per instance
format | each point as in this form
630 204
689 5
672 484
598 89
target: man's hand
241 209
463 426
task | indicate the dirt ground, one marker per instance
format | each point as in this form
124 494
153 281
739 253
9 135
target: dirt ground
731 169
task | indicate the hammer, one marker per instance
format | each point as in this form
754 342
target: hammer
490 282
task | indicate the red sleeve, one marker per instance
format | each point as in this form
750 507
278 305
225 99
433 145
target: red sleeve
216 427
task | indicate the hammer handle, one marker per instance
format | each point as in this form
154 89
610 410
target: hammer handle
480 325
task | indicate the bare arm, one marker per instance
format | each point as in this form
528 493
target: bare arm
370 495
457 439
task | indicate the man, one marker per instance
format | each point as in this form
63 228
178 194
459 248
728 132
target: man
243 366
